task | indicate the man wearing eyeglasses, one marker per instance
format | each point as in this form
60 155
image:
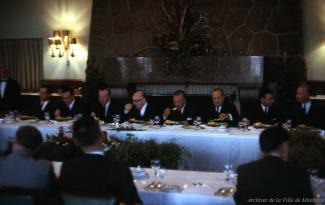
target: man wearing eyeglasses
139 109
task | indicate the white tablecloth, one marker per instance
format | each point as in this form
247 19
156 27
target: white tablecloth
192 195
209 148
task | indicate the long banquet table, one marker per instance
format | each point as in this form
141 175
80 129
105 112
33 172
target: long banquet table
209 148
192 194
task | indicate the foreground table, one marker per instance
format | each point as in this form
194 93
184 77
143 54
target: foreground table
190 195
209 148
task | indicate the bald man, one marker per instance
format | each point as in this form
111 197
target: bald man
9 92
140 109
306 113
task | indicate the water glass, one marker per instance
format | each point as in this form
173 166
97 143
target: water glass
228 170
245 123
155 166
189 120
46 116
162 173
198 121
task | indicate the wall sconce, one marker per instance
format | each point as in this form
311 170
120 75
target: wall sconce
60 43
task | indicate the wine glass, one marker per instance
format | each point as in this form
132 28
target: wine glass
155 166
245 123
156 120
116 120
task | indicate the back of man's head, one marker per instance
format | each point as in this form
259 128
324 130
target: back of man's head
29 137
86 131
272 138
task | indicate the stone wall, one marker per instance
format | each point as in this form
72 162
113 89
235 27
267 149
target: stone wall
238 27
128 28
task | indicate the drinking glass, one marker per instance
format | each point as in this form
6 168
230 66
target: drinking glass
46 116
116 120
156 120
228 170
162 173
198 121
155 166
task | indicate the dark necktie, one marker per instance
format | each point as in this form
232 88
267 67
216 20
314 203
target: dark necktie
304 108
266 110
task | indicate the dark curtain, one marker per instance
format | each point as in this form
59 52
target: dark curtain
24 59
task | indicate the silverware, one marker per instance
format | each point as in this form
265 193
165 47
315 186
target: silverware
225 191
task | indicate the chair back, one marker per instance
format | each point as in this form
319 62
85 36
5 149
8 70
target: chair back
69 199
16 196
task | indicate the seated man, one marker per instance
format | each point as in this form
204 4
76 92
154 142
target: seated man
43 105
265 111
105 108
140 109
93 173
181 110
9 92
221 110
69 106
19 169
305 112
271 176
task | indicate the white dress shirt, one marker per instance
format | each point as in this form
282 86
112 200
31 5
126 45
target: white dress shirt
106 107
143 109
71 105
306 106
265 109
44 104
3 86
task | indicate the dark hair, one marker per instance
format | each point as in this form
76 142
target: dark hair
307 86
29 137
180 92
86 130
263 92
67 89
218 90
48 88
272 138
141 91
104 86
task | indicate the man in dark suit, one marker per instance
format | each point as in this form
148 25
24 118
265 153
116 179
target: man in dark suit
19 169
9 92
93 173
181 110
69 106
140 109
105 108
265 111
272 177
305 112
221 110
43 105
